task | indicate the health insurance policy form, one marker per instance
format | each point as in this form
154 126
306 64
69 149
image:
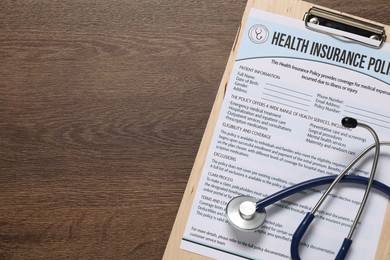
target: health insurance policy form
280 125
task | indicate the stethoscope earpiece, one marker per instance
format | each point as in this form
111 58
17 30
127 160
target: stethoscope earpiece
349 122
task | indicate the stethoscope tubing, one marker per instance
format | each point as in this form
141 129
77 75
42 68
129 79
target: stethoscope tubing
263 203
300 231
309 217
312 183
333 180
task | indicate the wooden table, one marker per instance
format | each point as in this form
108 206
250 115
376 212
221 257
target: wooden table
102 109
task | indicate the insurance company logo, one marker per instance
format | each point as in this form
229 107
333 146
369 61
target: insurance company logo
258 33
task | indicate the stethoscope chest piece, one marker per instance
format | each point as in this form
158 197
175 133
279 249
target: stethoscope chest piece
241 213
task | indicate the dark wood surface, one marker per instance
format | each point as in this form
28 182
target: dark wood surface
102 109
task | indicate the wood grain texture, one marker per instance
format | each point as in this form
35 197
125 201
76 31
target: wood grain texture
103 105
290 8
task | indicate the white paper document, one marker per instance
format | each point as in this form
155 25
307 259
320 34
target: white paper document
280 124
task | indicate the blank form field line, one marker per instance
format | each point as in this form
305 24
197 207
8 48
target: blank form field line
286 99
368 111
352 112
280 92
372 123
284 104
287 89
284 96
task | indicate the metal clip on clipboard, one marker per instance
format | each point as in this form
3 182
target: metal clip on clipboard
345 27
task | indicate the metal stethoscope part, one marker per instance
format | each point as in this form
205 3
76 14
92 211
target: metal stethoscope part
243 213
248 214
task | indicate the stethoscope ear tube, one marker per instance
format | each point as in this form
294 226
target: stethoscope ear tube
301 230
344 249
350 123
298 234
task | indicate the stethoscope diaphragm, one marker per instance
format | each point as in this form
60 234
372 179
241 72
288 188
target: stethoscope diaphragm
242 213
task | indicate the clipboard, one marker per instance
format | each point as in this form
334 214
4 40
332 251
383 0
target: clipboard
311 14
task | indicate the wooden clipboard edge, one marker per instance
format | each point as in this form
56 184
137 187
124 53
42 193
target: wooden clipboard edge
290 8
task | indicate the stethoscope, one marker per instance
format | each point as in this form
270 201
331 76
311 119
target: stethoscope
248 214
